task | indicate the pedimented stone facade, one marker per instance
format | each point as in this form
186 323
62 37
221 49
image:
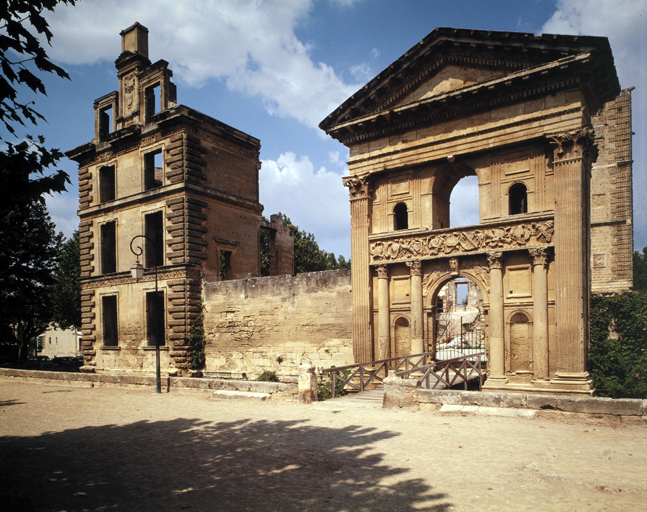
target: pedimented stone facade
542 123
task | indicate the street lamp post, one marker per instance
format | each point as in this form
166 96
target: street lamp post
137 271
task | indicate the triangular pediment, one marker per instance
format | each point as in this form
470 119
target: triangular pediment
450 78
450 60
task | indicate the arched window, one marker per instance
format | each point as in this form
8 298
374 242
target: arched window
400 216
518 199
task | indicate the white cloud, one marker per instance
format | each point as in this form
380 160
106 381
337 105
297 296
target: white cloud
249 44
62 209
375 53
345 3
317 202
362 72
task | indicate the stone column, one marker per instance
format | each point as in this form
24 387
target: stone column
361 272
572 164
383 323
416 307
540 314
496 361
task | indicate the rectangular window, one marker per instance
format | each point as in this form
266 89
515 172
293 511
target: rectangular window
154 224
153 170
109 311
155 324
107 183
225 265
108 248
105 122
152 100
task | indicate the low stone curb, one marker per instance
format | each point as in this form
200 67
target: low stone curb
487 411
278 390
401 393
235 395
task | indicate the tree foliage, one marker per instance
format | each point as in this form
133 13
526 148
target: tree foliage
21 56
618 367
66 290
640 270
28 255
308 257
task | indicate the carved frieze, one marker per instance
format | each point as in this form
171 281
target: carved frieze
465 241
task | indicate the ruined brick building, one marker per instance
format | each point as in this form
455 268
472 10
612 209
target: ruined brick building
543 124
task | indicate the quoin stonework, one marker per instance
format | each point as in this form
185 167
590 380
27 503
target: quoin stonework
542 123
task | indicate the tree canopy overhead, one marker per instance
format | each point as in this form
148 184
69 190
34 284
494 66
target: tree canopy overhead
22 26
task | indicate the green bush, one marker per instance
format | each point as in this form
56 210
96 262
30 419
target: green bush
324 387
618 367
197 341
268 376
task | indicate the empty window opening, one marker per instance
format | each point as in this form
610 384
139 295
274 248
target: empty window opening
400 216
464 201
153 170
225 265
267 243
108 248
154 224
461 294
109 311
155 324
105 122
518 199
107 186
153 101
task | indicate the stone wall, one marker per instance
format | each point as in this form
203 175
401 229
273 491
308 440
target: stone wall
611 198
276 323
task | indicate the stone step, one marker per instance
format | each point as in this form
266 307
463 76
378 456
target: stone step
224 394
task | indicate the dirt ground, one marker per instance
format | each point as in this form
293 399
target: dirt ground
75 449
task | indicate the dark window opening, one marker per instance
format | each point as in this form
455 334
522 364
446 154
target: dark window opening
154 231
267 243
107 183
401 216
225 265
155 318
518 197
108 248
439 305
105 122
153 106
109 310
153 170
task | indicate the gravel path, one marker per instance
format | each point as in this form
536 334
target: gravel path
75 449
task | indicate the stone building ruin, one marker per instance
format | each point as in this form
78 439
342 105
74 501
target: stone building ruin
543 124
186 181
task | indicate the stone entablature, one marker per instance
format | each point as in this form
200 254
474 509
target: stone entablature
396 247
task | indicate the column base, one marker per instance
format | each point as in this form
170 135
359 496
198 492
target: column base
576 383
495 384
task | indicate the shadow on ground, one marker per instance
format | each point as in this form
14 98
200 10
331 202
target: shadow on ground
189 464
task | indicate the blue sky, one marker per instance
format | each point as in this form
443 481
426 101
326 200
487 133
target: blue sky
276 68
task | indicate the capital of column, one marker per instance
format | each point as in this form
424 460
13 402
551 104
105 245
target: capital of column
576 144
357 187
382 272
416 268
494 259
539 257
